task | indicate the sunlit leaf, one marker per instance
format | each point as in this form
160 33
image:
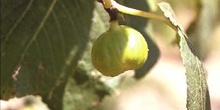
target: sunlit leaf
197 90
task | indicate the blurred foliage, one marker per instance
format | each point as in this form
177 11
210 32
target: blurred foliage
28 102
201 29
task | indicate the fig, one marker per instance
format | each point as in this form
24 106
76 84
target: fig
119 49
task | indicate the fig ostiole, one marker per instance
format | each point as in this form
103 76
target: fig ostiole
119 49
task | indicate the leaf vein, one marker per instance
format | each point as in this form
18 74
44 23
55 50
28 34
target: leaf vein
38 30
50 49
61 33
16 23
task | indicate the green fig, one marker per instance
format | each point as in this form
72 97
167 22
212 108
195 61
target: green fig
119 49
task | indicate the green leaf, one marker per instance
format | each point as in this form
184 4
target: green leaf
197 89
45 39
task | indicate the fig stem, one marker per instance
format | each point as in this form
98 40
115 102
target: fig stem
114 25
135 12
140 13
107 3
